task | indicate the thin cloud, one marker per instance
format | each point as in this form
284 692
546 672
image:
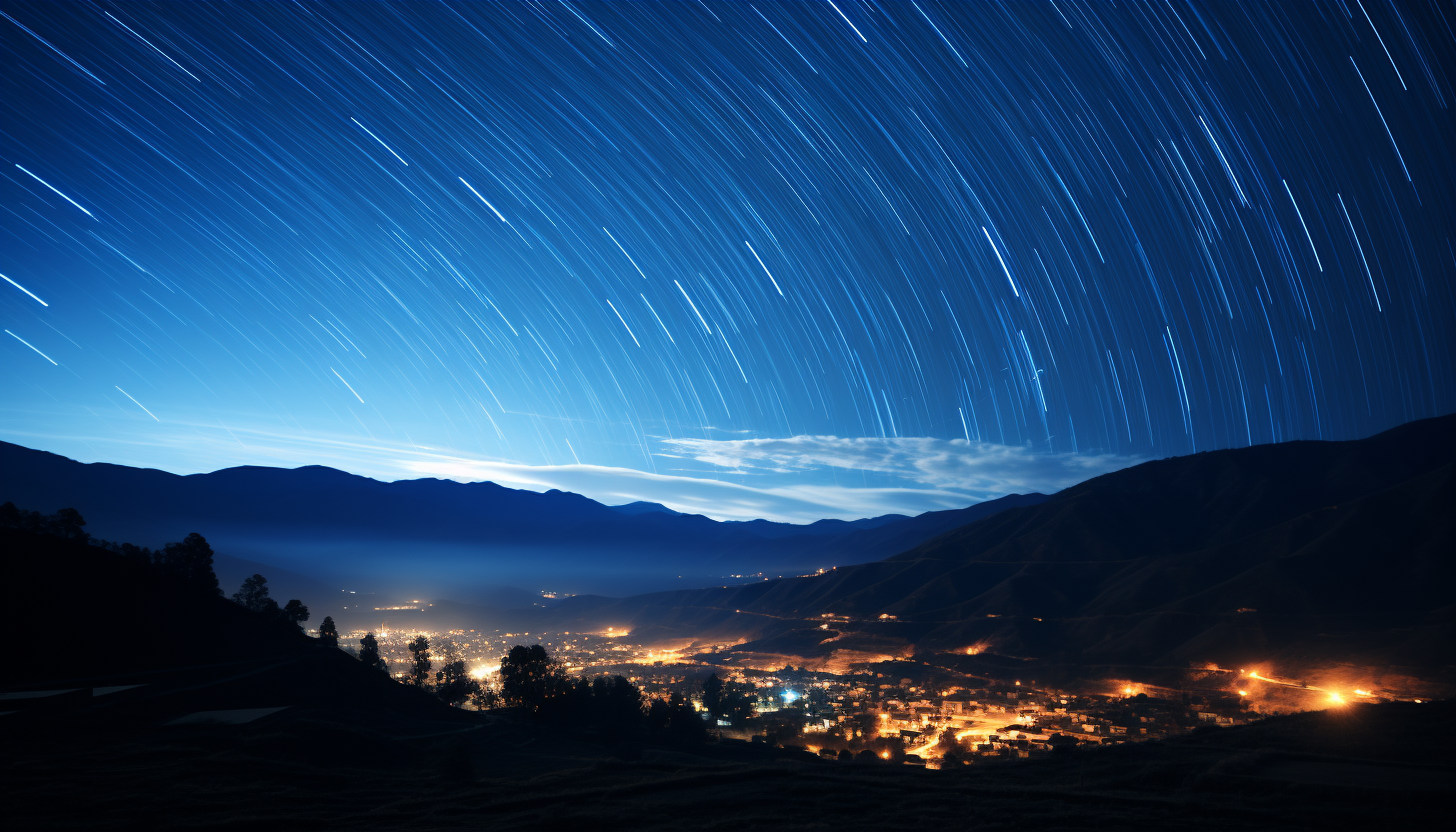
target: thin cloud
793 478
696 495
198 447
983 469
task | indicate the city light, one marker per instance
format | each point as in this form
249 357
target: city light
1012 718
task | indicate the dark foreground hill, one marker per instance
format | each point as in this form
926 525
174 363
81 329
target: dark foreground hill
1301 554
150 708
441 539
78 616
321 767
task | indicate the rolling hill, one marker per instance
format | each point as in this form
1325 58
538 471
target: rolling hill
1305 553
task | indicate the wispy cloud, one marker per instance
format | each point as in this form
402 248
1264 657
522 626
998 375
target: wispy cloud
199 447
791 480
696 495
982 469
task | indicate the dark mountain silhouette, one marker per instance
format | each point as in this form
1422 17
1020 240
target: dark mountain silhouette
1305 552
436 538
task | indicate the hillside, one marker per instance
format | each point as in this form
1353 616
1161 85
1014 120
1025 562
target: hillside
1369 767
1304 552
179 712
442 539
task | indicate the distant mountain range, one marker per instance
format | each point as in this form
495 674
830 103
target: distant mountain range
324 530
1302 552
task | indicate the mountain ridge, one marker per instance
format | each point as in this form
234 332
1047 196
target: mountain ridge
444 536
1298 549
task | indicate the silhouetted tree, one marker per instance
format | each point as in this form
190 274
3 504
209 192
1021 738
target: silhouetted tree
948 742
676 721
328 633
19 518
34 521
782 726
486 697
253 595
659 716
190 562
713 696
295 613
68 523
369 653
617 702
135 554
737 703
453 685
65 523
610 703
528 676
420 666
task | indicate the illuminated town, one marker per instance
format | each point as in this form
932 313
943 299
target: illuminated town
893 710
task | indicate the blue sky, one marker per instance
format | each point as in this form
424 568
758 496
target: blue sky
787 260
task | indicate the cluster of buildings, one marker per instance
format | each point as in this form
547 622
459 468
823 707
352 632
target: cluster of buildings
923 723
901 719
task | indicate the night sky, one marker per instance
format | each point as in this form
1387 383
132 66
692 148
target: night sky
784 260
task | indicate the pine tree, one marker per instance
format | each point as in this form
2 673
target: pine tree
190 562
328 633
420 668
68 522
369 653
295 613
253 595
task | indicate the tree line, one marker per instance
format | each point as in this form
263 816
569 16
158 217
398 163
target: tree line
186 563
534 683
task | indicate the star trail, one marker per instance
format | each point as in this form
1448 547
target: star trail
750 259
